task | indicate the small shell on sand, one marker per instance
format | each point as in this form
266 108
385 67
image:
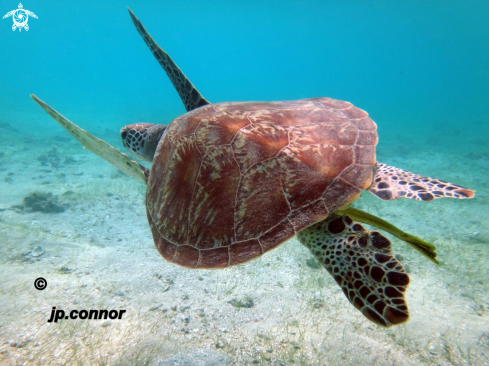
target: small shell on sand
37 251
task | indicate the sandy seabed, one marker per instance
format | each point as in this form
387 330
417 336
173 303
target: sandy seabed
99 254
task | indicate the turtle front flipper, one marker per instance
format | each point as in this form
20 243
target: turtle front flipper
391 183
97 146
363 265
190 96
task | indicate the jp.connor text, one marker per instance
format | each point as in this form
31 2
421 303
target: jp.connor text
85 314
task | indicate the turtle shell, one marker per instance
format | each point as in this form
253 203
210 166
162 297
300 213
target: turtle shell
231 181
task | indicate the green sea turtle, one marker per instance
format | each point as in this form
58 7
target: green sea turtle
231 181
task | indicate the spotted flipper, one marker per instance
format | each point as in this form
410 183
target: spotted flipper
391 183
190 96
363 265
97 146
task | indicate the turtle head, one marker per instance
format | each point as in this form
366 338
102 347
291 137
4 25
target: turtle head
141 139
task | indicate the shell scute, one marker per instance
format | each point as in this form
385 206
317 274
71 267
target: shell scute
219 129
331 103
214 258
365 124
164 247
293 117
340 193
365 154
258 142
308 170
367 138
358 175
354 113
186 256
320 115
277 235
187 124
260 202
313 212
342 133
244 251
170 184
211 213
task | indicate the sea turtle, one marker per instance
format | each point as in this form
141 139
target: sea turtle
231 181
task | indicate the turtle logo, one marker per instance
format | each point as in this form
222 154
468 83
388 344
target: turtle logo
20 17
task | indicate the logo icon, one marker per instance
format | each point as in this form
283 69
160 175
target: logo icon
20 17
40 283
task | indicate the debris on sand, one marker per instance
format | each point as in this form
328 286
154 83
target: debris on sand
246 302
313 263
37 251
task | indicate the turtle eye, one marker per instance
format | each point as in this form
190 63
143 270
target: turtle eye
124 134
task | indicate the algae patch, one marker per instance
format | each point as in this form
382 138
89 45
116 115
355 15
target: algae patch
43 202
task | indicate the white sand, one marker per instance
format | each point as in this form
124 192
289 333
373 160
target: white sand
177 316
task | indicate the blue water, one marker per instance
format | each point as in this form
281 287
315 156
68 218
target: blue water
409 64
419 68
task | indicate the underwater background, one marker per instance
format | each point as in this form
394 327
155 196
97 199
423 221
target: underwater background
419 68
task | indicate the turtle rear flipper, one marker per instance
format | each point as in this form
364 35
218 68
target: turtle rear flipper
363 265
190 96
391 183
97 146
